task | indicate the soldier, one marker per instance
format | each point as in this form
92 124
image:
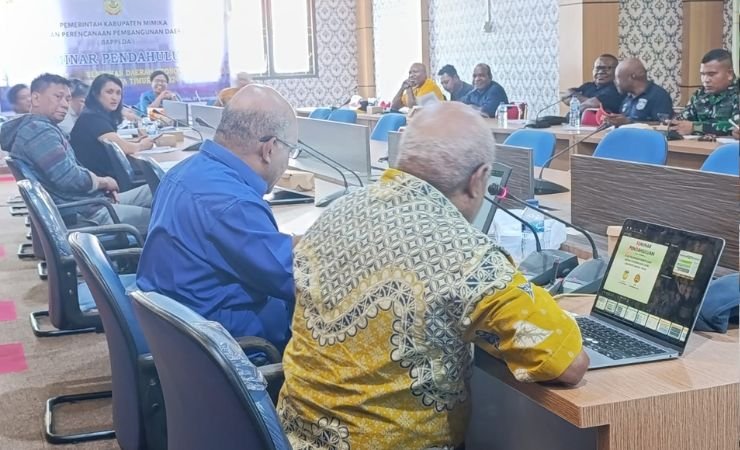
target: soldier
711 107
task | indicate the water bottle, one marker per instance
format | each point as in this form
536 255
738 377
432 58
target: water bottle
575 113
537 221
502 113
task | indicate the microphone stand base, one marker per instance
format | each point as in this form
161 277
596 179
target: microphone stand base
545 266
545 187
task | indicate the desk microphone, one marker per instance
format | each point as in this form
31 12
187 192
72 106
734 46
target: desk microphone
536 123
203 123
544 187
325 201
543 266
586 278
346 102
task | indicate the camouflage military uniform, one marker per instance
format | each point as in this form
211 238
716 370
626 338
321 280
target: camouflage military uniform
711 113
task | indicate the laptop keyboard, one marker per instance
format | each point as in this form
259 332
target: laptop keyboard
612 343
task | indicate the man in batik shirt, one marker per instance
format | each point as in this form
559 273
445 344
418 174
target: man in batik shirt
711 108
393 284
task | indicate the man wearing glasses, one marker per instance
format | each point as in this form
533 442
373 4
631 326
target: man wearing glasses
213 242
600 93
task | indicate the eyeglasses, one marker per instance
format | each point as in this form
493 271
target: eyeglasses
603 68
294 150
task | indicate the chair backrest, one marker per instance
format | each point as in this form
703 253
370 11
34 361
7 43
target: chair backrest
123 334
320 113
387 123
343 115
64 309
634 144
542 144
516 110
215 396
724 159
123 172
15 168
589 117
150 169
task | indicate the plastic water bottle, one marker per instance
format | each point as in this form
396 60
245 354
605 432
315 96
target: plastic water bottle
537 221
501 114
575 113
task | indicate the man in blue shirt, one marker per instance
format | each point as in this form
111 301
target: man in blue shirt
452 83
645 101
213 243
601 92
487 94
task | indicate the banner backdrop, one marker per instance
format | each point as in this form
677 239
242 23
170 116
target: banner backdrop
129 39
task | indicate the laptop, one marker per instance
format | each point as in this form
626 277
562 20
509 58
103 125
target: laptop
499 175
650 296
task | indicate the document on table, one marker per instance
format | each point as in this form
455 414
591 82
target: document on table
157 150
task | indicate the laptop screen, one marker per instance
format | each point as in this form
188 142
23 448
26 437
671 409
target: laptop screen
499 175
657 278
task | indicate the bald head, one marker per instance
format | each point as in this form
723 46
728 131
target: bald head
630 76
253 125
417 74
447 145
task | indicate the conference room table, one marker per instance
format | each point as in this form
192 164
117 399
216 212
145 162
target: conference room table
689 403
688 153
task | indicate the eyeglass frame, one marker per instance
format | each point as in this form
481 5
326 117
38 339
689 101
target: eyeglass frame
293 150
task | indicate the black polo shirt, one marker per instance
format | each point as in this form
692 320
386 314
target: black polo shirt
646 106
90 152
610 98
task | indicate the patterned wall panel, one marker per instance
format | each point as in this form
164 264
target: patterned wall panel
727 25
522 50
336 47
652 31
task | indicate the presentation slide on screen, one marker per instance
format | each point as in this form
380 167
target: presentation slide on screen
635 268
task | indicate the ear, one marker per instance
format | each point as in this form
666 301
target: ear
266 149
35 97
478 181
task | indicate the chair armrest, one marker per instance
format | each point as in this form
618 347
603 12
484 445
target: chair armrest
125 260
92 201
275 377
118 228
254 344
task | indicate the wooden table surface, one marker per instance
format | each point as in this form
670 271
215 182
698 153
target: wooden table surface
692 402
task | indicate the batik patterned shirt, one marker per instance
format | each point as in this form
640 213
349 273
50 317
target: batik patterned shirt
392 286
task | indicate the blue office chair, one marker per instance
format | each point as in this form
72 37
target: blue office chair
724 159
387 123
634 144
215 397
542 144
139 417
320 113
150 170
343 115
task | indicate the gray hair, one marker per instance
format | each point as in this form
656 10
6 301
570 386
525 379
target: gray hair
242 128
446 159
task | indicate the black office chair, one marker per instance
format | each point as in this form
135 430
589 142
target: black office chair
71 307
150 169
123 172
216 398
138 405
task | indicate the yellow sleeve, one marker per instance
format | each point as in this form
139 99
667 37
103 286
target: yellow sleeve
430 86
525 327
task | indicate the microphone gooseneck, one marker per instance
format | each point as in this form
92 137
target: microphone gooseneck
496 190
601 127
330 162
519 219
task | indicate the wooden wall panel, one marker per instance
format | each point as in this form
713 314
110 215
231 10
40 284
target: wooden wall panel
606 192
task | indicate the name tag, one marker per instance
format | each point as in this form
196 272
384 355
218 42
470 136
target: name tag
641 104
